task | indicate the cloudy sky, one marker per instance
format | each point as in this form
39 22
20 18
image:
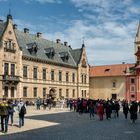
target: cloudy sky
108 27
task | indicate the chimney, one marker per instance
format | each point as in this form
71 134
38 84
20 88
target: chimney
26 30
58 40
65 43
39 34
70 47
15 26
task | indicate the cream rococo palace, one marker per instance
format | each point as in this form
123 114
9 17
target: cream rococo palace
31 66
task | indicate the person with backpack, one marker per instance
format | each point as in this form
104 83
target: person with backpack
11 111
22 111
4 116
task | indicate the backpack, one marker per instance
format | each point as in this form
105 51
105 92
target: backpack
22 110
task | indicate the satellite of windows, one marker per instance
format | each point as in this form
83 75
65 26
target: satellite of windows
64 56
49 52
32 48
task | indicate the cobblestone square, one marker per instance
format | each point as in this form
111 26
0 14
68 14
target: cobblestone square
58 124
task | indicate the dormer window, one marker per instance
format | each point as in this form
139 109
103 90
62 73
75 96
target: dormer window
9 46
32 48
64 56
49 52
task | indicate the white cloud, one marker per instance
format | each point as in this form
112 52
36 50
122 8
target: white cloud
103 44
108 29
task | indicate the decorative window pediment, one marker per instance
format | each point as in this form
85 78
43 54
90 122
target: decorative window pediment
49 52
32 48
9 46
64 56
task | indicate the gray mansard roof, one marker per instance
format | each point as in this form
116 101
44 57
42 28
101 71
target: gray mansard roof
26 41
2 27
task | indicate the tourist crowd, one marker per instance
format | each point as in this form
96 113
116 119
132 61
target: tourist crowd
103 108
108 108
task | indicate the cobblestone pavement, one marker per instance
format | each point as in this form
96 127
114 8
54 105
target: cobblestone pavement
60 124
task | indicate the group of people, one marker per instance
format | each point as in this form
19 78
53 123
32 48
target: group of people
44 103
7 110
109 108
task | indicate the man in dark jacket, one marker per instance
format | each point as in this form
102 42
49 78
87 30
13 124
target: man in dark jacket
4 116
133 111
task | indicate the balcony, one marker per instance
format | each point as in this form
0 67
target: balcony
9 50
11 78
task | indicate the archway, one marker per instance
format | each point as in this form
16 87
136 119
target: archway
52 93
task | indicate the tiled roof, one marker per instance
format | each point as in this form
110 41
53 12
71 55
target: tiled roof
109 70
42 44
2 27
76 53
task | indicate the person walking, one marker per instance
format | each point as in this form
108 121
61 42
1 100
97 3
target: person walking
100 110
133 111
4 116
11 111
38 103
75 105
91 109
108 110
125 109
22 111
117 108
71 104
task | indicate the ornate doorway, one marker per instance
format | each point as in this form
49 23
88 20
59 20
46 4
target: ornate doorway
52 93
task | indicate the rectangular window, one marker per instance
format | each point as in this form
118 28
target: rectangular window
60 93
35 73
82 93
132 81
60 76
6 69
132 88
44 92
85 79
114 84
25 71
67 77
73 93
67 93
82 78
52 75
12 69
73 77
114 96
35 92
85 94
24 91
44 74
132 96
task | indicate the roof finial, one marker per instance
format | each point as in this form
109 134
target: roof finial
10 7
83 45
9 16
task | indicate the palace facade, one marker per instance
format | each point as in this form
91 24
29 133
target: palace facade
31 66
